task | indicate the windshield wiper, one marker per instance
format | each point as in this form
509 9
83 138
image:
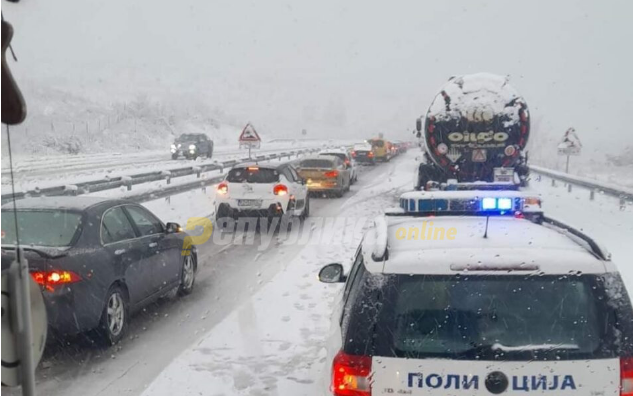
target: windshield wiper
498 349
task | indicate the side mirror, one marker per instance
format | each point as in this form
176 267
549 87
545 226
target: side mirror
173 228
332 273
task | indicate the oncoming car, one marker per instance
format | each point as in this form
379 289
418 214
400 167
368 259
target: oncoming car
264 191
192 146
325 174
97 260
478 302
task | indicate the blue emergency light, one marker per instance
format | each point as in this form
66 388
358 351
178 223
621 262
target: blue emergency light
468 203
502 204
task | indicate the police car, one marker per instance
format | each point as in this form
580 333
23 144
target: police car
270 190
478 293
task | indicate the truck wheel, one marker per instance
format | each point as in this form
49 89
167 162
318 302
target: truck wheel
174 156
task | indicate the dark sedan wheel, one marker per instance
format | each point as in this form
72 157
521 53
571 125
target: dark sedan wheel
188 277
115 317
174 156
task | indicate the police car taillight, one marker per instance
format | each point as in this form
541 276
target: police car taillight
350 375
626 376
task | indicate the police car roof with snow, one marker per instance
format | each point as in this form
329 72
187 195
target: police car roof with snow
479 293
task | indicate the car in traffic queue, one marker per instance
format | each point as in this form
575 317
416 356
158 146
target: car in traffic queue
382 149
478 293
192 146
347 159
325 174
97 260
363 153
263 191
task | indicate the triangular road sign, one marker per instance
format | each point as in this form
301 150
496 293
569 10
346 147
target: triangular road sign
249 134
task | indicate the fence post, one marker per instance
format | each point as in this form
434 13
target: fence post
592 194
553 182
622 203
568 187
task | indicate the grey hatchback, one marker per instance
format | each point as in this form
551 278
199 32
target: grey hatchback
96 259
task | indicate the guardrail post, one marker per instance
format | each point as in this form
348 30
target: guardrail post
622 203
568 187
592 194
553 183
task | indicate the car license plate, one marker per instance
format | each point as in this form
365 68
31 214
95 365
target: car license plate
249 202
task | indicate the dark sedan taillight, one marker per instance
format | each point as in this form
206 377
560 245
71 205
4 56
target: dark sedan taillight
51 279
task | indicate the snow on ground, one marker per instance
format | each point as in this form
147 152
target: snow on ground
68 169
261 350
274 343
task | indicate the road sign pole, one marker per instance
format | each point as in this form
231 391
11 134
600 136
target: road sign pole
567 165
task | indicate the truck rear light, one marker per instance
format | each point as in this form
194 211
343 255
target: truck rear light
50 279
370 154
280 189
626 376
223 188
353 153
351 375
331 174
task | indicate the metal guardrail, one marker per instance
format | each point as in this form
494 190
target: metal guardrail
593 186
147 177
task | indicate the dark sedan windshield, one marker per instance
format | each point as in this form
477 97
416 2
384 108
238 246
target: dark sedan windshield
51 228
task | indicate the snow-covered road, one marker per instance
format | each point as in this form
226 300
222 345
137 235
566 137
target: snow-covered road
257 320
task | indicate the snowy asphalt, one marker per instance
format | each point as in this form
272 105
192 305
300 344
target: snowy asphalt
169 341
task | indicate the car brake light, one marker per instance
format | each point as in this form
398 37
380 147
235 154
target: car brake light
253 168
353 153
350 375
370 154
280 189
626 376
347 161
223 188
331 174
50 279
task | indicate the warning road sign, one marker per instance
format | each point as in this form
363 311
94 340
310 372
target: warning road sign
249 134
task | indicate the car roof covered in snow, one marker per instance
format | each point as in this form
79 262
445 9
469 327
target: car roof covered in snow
266 165
78 203
512 246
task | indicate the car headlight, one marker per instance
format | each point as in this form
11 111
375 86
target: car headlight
173 146
192 147
179 145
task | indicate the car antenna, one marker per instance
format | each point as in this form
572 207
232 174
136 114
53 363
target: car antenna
486 232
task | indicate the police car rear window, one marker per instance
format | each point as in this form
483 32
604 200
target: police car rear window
491 317
252 175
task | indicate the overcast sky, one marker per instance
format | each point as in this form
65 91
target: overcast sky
345 67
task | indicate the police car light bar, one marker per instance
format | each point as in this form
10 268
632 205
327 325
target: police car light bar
467 203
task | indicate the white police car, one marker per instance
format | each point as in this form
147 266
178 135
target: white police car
478 293
270 190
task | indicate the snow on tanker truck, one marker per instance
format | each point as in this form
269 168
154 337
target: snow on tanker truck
475 130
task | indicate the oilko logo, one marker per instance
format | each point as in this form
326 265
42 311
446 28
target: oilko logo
426 232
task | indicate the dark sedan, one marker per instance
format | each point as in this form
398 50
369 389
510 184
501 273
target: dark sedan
96 259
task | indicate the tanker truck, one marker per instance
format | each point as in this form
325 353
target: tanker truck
474 133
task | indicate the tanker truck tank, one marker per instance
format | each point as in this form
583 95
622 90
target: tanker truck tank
475 130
